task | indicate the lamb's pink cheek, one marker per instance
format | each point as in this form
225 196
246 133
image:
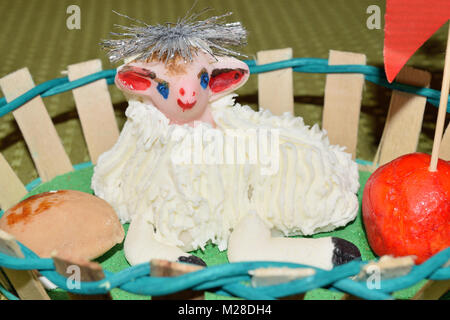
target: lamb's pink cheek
133 82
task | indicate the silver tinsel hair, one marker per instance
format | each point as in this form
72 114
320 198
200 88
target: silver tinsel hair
183 38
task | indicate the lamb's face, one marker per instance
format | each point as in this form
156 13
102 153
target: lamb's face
182 90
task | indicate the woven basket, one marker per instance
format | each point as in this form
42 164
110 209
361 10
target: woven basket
166 280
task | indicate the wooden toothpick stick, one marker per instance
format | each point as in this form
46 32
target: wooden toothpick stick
442 108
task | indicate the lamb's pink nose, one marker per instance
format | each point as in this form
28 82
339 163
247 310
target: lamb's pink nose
183 92
186 100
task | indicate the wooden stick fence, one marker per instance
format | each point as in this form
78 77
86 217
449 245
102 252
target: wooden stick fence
342 104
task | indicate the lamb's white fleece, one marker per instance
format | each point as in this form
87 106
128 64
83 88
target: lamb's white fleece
305 186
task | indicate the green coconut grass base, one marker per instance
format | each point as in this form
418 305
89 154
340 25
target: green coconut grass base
114 260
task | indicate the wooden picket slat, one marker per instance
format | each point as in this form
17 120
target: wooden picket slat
444 152
342 101
276 88
433 289
164 268
88 271
95 109
37 128
272 276
11 188
4 282
404 119
25 282
387 267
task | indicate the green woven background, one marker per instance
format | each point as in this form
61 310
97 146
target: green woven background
33 34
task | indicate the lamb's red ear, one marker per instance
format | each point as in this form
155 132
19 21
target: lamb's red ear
227 75
131 79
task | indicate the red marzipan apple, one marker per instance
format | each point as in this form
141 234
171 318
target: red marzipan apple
406 208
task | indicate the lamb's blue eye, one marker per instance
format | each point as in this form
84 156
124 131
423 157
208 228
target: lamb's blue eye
204 80
163 89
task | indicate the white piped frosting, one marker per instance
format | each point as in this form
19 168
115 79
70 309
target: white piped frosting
312 190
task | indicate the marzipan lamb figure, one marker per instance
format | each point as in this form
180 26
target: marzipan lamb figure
178 79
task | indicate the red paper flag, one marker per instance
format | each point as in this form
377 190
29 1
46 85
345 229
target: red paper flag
408 24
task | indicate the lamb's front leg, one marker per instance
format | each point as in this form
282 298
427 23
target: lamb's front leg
251 240
141 246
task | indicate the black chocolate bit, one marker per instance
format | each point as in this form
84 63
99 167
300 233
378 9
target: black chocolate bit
344 251
192 260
